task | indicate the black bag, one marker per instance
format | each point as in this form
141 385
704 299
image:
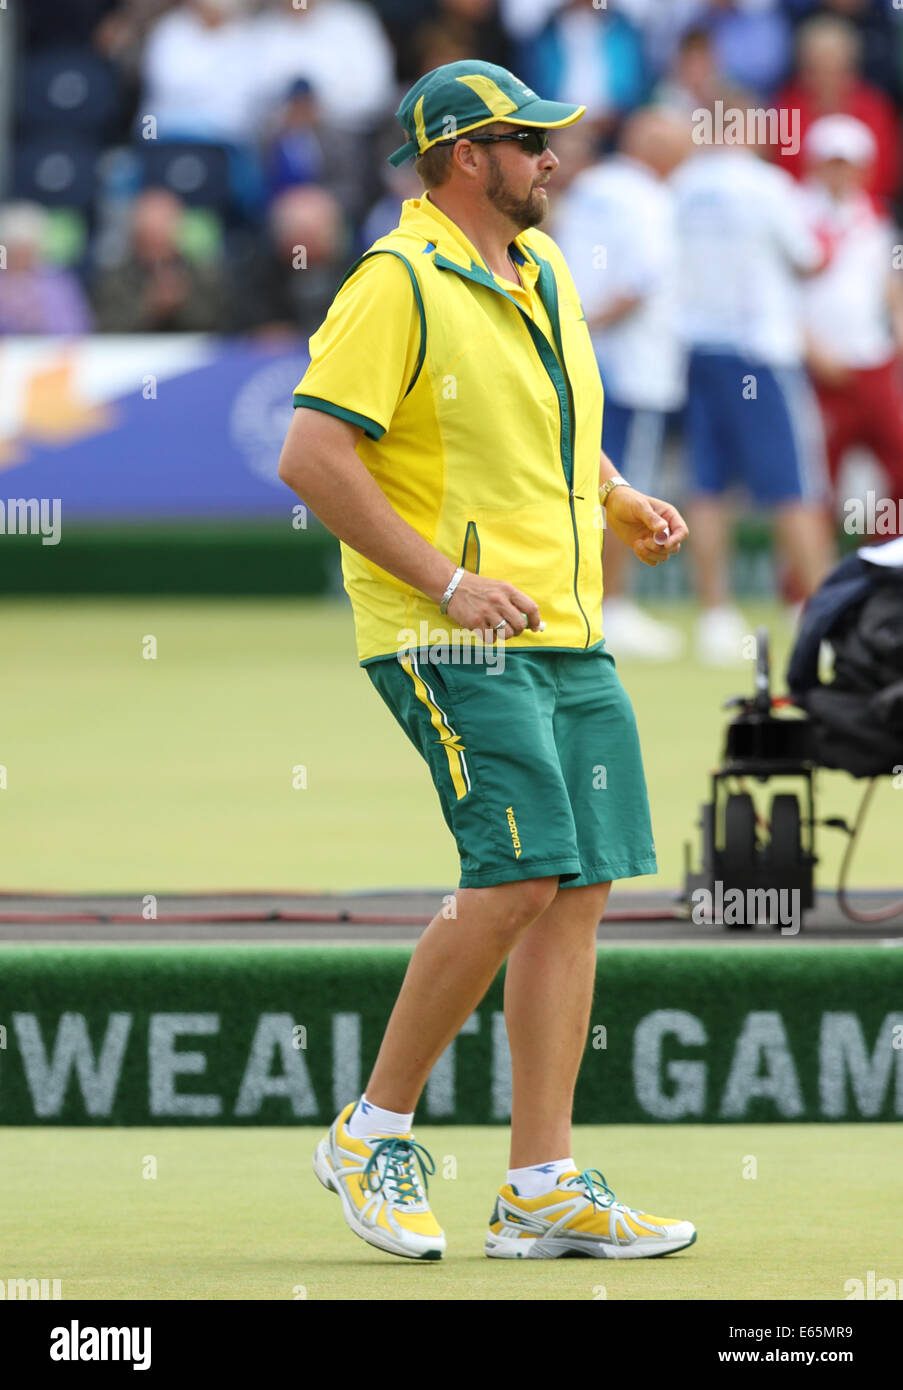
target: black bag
857 720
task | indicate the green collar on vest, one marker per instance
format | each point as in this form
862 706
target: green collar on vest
545 284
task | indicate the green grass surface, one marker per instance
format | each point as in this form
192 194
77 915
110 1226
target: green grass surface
125 774
239 1214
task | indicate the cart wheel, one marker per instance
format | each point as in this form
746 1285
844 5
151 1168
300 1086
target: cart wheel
739 856
740 830
786 848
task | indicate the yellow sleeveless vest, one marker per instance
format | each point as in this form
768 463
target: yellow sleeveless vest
493 453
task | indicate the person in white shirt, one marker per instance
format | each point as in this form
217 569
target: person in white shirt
853 310
197 79
752 418
615 226
212 70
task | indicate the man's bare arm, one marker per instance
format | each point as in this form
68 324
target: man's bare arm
636 519
617 310
320 464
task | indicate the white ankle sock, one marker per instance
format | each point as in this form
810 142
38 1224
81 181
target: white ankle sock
540 1178
367 1118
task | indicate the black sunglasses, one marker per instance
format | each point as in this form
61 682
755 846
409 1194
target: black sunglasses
533 141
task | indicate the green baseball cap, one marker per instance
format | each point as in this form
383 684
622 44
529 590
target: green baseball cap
458 97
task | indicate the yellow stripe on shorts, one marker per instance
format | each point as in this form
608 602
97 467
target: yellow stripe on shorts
450 740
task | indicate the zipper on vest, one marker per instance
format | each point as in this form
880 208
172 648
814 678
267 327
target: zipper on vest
565 404
571 495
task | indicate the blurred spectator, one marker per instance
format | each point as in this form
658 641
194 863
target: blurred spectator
751 413
587 55
853 310
752 40
616 229
302 148
827 82
123 32
201 72
157 289
296 152
463 28
576 148
523 19
435 44
400 183
694 78
878 25
36 297
340 46
48 24
288 284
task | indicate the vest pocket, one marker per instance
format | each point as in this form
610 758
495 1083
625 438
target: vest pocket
470 555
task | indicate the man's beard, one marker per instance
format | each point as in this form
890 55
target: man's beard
523 212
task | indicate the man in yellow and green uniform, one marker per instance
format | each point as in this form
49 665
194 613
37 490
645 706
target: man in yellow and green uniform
448 432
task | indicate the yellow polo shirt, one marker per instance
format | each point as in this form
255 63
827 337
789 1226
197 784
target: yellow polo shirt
481 406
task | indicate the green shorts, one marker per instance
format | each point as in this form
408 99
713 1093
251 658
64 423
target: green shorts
537 762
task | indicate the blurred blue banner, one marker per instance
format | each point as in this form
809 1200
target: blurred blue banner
138 428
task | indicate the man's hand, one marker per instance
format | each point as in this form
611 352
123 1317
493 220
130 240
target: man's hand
636 520
480 603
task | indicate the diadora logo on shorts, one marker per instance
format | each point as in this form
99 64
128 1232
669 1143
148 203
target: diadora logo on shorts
512 826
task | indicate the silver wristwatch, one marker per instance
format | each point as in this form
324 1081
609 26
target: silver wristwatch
453 584
609 485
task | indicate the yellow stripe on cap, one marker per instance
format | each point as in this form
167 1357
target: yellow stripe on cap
490 93
419 127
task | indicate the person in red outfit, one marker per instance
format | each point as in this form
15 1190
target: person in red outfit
853 309
828 81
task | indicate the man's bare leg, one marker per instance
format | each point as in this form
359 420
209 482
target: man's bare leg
710 525
453 965
549 986
804 536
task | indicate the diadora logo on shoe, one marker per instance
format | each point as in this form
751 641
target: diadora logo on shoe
522 1221
512 826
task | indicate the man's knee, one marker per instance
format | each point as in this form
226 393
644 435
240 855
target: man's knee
515 905
538 894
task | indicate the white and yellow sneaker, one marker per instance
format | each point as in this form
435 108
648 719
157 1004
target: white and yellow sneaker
581 1216
383 1198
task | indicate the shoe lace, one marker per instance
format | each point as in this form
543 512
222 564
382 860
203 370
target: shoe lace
587 1179
393 1161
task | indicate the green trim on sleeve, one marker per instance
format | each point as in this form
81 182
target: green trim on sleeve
370 427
